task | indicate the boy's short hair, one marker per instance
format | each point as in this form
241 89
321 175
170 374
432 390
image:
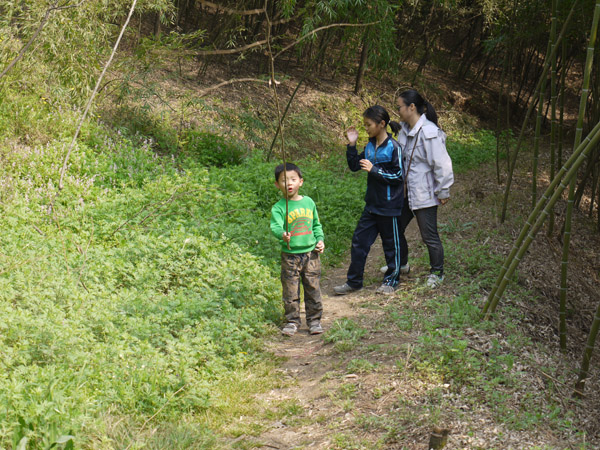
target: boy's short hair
288 167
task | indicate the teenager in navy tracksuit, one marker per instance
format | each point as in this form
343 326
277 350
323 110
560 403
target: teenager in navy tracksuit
384 200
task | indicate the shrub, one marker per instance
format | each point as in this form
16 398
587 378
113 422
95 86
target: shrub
211 150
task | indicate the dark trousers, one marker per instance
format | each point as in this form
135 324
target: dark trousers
427 221
368 227
302 268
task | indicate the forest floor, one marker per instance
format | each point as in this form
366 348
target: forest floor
375 390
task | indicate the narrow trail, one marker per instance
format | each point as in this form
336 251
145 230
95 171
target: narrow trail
316 376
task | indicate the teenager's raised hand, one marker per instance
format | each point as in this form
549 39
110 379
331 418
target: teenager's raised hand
352 135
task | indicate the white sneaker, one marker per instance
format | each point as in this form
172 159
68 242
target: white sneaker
405 269
434 280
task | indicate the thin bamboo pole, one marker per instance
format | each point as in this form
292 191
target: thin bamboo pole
564 265
530 110
561 100
587 355
536 142
594 182
499 131
273 83
553 102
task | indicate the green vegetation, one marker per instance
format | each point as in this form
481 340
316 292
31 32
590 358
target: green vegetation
135 293
141 286
135 303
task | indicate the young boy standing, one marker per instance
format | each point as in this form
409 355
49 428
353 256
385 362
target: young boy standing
301 245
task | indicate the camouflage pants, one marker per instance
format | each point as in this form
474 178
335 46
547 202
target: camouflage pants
305 268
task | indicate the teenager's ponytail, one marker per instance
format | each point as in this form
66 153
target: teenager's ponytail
411 96
395 126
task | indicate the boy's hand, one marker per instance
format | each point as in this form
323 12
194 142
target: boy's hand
320 247
286 236
352 136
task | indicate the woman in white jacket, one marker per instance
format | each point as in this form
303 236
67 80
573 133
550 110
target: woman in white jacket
427 176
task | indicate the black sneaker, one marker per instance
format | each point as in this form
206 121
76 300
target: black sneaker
345 289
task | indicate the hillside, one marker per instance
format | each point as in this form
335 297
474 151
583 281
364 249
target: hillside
140 304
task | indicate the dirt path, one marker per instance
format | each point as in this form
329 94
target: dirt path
325 396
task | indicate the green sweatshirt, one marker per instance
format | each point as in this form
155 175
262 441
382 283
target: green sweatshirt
303 224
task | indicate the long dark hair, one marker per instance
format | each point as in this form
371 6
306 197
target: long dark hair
377 113
423 106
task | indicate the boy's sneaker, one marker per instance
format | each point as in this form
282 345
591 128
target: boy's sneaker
434 280
345 289
315 328
289 329
385 289
404 270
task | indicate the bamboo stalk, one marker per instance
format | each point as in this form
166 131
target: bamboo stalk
513 161
539 214
553 102
561 121
536 142
499 133
587 355
589 61
549 190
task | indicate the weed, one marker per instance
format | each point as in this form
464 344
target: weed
345 334
361 366
291 408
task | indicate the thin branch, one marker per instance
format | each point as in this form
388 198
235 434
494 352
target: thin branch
230 51
225 83
273 82
37 32
304 75
316 30
89 103
236 12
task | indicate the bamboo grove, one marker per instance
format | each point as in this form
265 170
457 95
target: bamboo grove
531 52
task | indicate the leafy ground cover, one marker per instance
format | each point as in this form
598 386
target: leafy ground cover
141 292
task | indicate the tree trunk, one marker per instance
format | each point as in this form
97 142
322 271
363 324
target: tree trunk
362 66
157 25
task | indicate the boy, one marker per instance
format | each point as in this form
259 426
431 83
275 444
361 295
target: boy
301 245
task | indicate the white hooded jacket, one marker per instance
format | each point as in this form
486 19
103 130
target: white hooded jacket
428 173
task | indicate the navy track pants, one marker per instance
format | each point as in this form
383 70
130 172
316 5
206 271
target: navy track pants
368 227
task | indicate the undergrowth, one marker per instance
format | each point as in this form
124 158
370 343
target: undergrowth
140 295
